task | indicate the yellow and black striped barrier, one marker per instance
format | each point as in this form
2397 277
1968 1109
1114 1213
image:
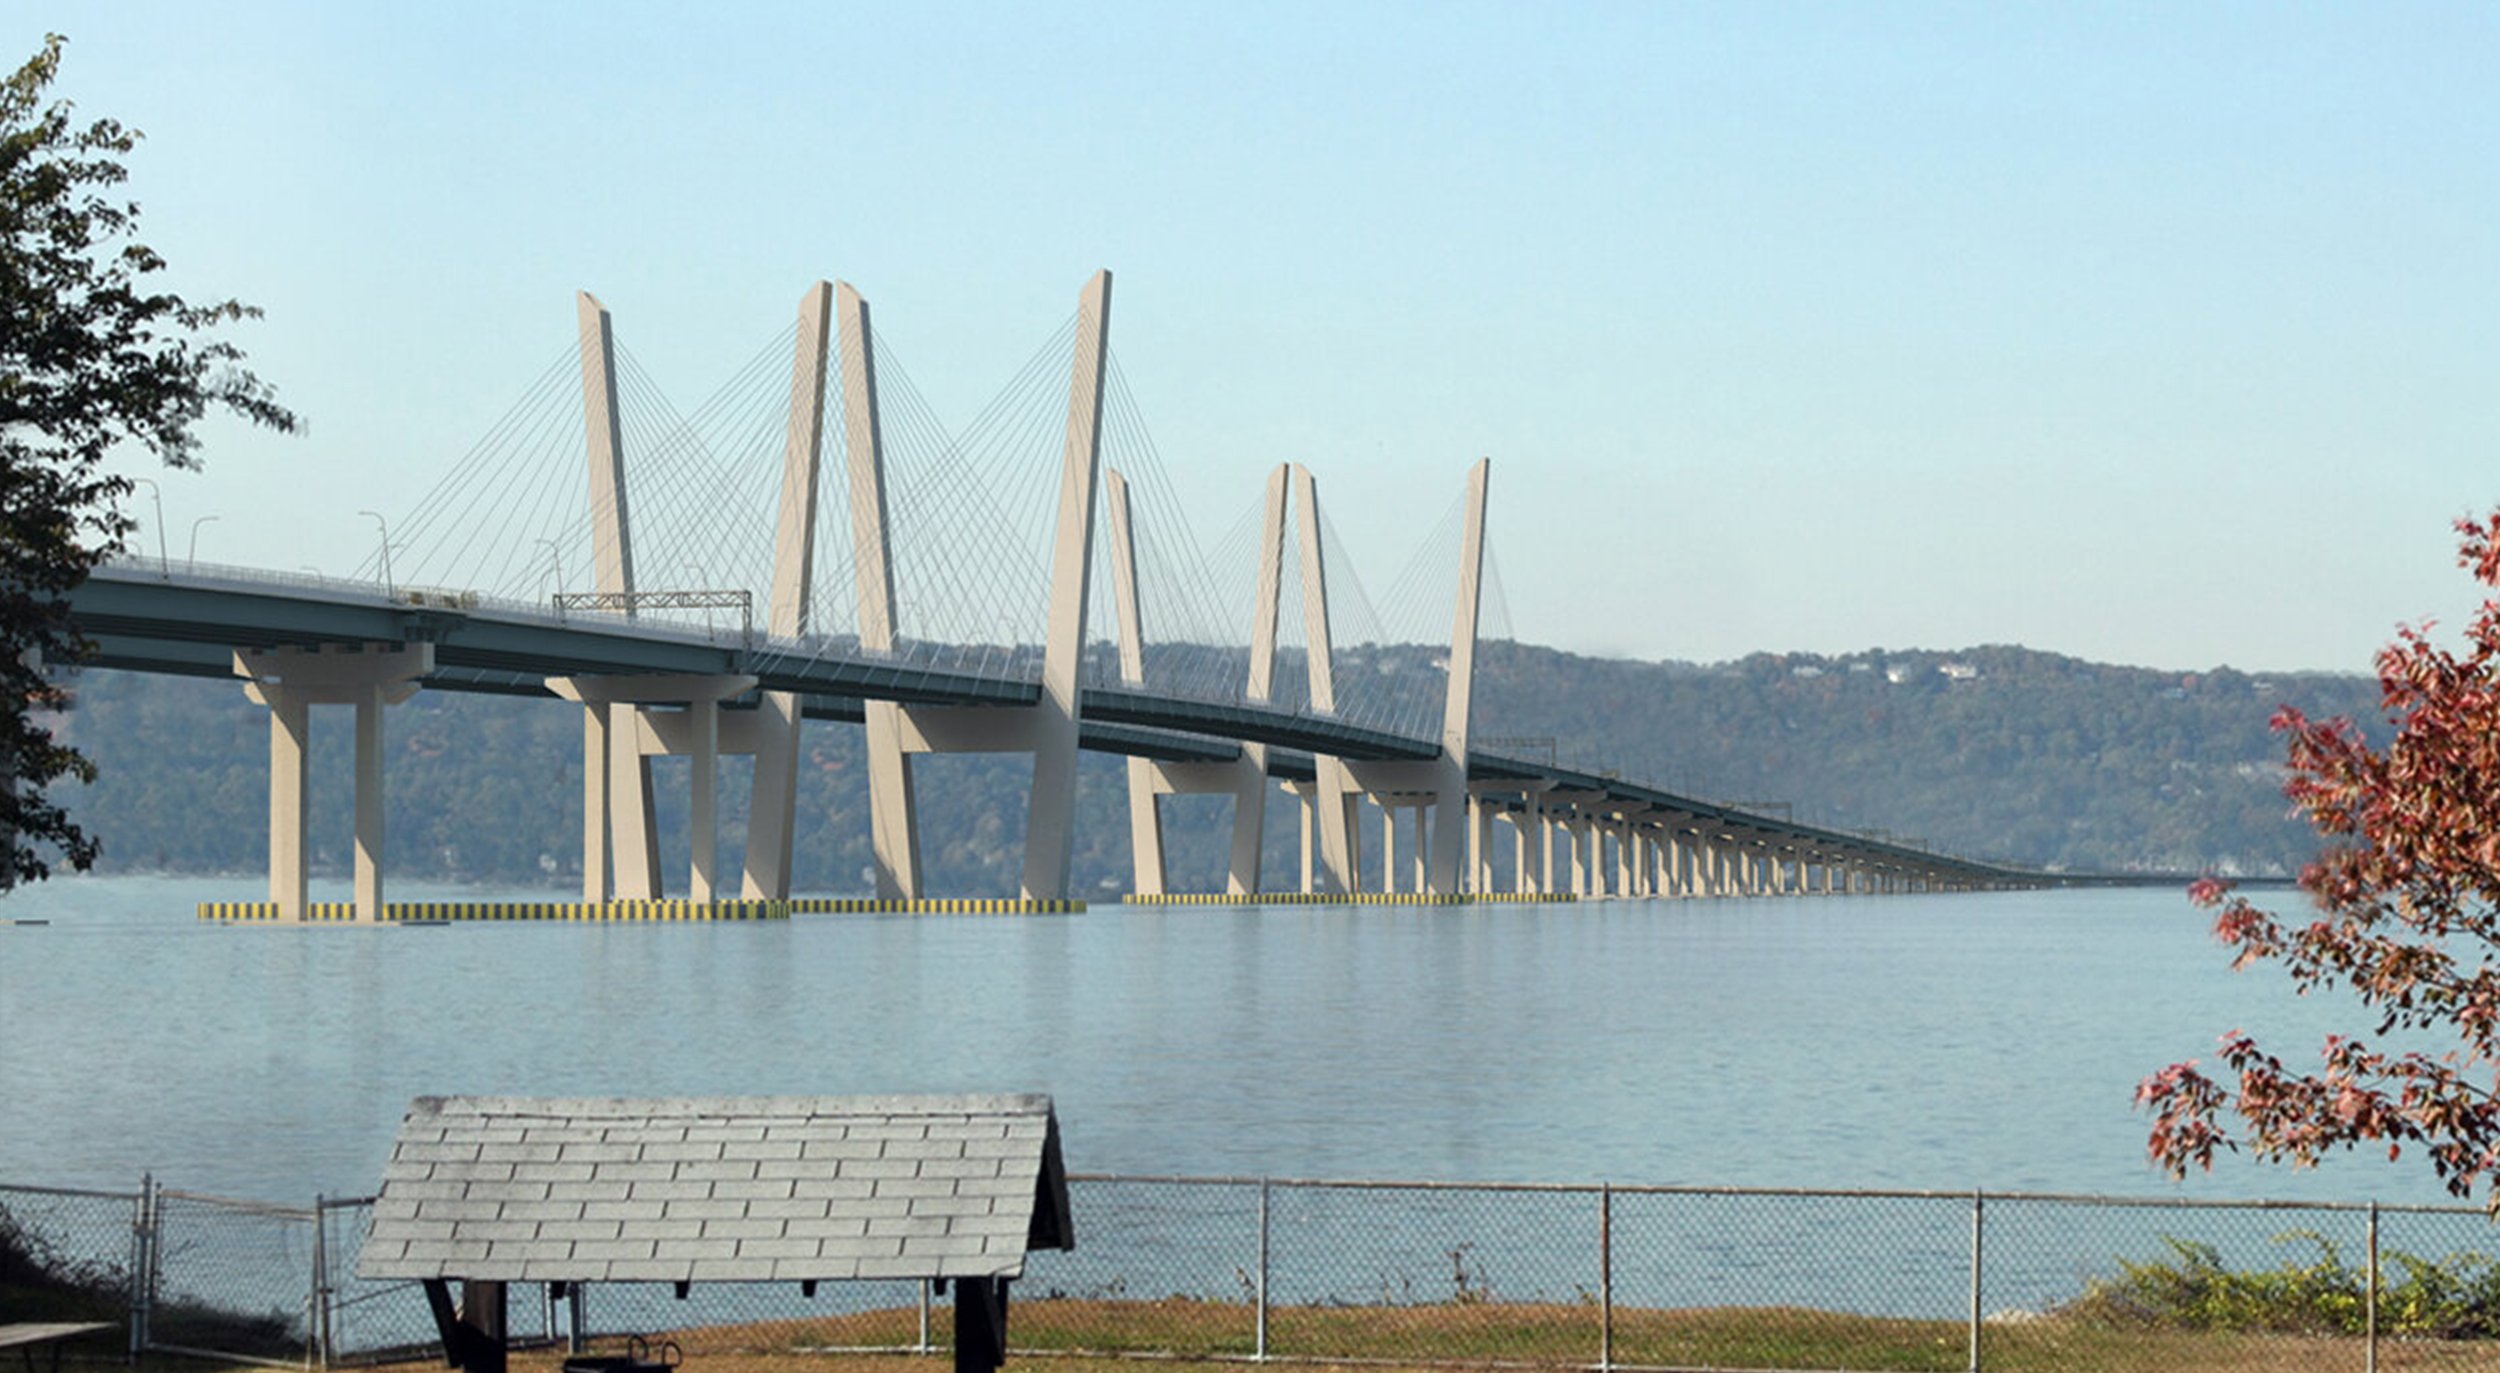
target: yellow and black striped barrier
404 912
870 905
1343 899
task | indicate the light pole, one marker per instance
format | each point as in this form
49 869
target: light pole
191 555
700 578
156 495
376 517
555 563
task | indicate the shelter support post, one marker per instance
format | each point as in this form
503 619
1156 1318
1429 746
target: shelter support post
980 1324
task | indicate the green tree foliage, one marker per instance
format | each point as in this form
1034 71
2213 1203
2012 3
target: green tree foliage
90 358
1995 752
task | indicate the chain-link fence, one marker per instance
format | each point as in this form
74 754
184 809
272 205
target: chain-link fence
1402 1273
231 1279
69 1255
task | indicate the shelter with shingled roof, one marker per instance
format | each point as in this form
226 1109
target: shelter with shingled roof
487 1191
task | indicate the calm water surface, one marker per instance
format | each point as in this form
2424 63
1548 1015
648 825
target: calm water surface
1946 1042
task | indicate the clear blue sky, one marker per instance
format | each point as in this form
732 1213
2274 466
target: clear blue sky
2150 333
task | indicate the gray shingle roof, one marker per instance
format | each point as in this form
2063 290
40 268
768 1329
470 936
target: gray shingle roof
719 1189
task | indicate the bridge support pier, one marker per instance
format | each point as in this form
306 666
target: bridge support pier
621 733
289 681
1523 873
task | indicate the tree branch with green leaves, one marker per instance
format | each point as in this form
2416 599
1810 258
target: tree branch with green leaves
92 359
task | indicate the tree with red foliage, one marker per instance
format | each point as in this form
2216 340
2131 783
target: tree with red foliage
2407 892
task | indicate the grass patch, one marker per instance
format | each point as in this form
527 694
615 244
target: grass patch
1092 1336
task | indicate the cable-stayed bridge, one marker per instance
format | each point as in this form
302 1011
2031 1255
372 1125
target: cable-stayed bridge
811 543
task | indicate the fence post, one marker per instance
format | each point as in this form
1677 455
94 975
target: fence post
924 1315
1606 1275
143 1281
320 1305
2370 1338
576 1334
1978 1209
137 1298
1261 1294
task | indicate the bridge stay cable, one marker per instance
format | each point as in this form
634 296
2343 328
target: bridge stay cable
966 568
970 517
470 484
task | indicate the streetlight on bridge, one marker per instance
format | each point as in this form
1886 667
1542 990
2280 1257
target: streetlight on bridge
376 517
191 555
555 565
156 494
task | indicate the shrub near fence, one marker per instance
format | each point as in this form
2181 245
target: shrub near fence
1411 1274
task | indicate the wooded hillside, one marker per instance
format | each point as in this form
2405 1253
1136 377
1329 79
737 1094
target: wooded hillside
1997 752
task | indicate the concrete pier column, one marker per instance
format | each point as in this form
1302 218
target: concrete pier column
1543 824
290 681
1476 856
1304 802
1479 846
597 758
1424 862
1145 830
290 752
633 825
369 702
631 735
703 721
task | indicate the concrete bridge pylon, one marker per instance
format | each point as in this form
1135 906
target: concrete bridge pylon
1047 729
1440 784
622 725
1245 777
773 800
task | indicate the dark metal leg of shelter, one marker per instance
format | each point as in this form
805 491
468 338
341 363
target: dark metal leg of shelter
482 1314
980 1324
473 1336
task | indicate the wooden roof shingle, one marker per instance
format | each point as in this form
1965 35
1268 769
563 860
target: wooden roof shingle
719 1189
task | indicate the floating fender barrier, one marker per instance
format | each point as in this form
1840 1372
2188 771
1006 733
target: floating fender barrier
870 905
1346 899
430 912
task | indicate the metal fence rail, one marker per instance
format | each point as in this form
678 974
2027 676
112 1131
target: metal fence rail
1487 1275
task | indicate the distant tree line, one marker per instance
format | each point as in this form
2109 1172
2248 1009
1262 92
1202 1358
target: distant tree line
2018 755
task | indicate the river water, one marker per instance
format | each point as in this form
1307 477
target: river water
1945 1042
